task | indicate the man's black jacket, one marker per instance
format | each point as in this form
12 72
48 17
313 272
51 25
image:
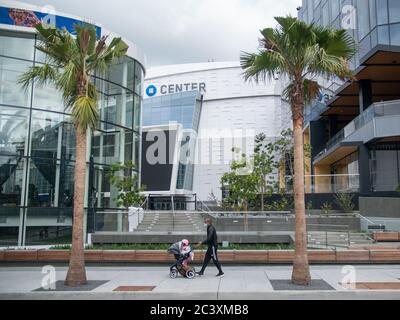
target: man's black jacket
211 237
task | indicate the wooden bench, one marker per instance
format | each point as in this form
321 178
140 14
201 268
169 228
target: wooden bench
386 236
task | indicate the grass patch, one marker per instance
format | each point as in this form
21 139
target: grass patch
165 246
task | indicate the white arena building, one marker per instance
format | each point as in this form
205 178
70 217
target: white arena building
233 113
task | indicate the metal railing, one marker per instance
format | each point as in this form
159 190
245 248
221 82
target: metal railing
327 183
112 220
380 109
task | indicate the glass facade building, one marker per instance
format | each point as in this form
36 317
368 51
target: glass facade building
369 22
37 145
353 129
183 108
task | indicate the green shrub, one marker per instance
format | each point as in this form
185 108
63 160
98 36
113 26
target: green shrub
327 207
345 201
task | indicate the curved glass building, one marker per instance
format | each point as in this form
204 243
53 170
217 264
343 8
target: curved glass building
37 138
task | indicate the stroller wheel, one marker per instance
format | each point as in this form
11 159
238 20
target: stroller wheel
190 274
173 274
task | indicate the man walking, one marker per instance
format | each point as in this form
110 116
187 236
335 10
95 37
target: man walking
211 253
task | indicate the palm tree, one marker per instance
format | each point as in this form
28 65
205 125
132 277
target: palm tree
301 53
70 63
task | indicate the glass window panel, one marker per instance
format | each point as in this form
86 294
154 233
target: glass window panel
364 46
16 45
129 112
383 35
325 14
335 7
395 34
382 11
66 191
310 8
46 225
136 150
372 13
13 130
48 98
11 92
116 73
394 11
108 146
138 79
128 146
52 136
42 181
138 114
363 19
11 181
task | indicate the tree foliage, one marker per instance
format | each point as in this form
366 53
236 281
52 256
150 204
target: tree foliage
122 178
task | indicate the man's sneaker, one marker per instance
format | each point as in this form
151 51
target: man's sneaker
220 275
200 274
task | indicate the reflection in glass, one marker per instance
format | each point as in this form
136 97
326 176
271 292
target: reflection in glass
10 92
11 180
20 47
13 130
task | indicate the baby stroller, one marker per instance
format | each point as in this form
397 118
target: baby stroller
178 267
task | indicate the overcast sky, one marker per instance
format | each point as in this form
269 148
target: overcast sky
183 31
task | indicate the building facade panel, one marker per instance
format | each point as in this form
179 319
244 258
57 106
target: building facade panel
233 113
37 138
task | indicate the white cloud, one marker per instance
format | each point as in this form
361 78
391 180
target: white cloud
182 31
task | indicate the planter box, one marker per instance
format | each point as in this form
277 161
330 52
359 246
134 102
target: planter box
119 256
153 256
199 256
322 256
2 256
280 256
386 236
53 255
226 256
94 255
253 256
21 255
352 256
385 255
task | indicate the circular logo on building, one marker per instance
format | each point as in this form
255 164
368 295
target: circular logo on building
151 91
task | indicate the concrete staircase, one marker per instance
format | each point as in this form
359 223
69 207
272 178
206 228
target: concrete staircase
167 221
337 239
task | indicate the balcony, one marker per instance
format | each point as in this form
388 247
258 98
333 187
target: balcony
327 183
380 120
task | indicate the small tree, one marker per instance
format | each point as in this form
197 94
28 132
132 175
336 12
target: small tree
129 193
242 185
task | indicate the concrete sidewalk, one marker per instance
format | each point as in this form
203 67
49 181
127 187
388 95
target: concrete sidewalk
240 283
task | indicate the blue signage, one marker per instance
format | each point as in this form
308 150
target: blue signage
151 91
29 19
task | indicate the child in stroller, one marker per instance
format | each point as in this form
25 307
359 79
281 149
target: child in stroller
183 254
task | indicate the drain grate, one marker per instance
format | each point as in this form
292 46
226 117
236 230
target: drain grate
134 288
284 285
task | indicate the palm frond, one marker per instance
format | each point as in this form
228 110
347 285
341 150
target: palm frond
263 66
84 112
41 75
311 91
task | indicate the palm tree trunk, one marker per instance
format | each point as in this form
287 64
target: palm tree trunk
301 269
76 273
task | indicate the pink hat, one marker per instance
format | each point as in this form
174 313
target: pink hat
185 242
